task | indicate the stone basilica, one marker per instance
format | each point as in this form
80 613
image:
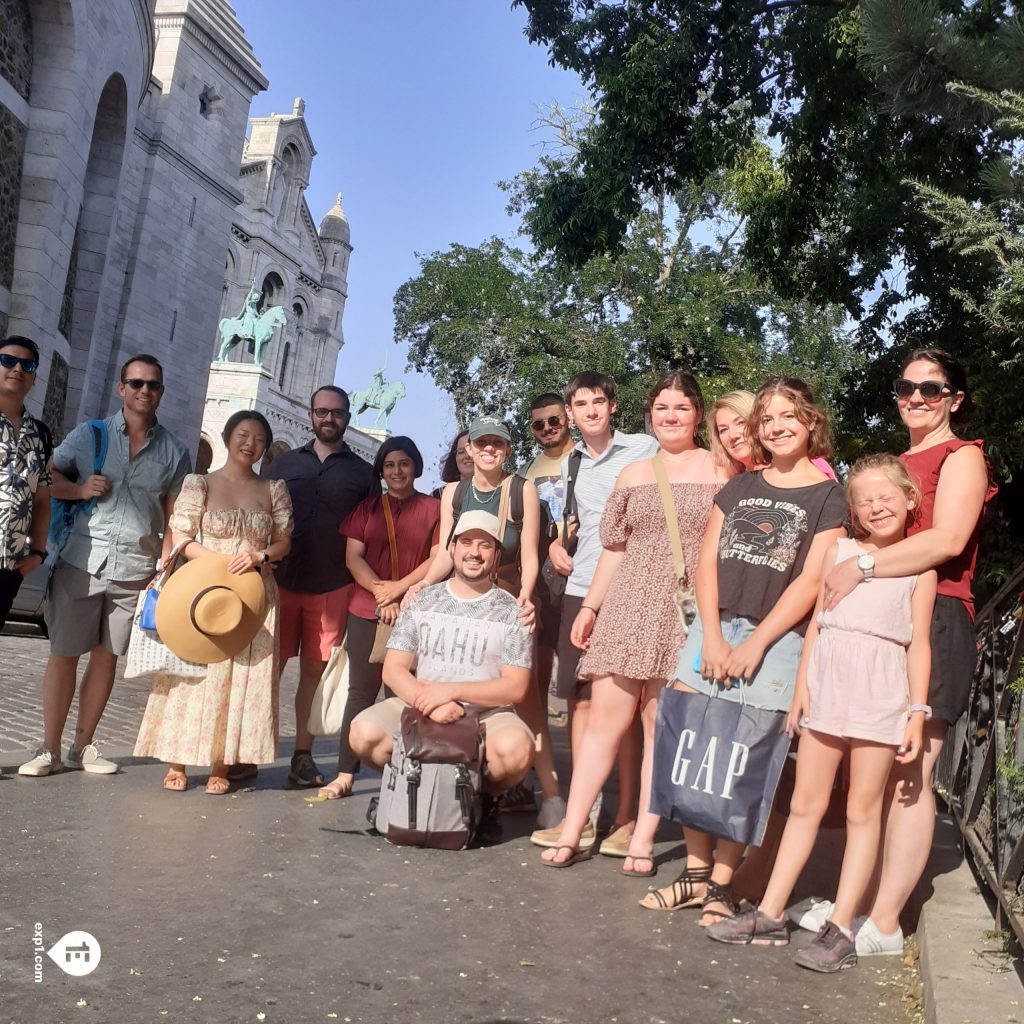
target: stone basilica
135 214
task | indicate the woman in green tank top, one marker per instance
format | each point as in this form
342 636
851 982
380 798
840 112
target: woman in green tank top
490 488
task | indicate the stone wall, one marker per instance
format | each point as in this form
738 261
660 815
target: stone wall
16 45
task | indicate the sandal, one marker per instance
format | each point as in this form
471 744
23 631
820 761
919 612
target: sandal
175 781
577 857
217 785
717 893
634 857
335 790
684 891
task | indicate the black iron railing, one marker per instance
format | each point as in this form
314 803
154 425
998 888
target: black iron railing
981 771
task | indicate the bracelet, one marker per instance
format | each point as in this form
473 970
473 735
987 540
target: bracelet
925 708
37 553
588 608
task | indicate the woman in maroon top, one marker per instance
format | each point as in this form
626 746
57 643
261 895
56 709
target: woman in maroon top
956 484
379 586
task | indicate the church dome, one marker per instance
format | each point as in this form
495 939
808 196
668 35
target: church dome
334 227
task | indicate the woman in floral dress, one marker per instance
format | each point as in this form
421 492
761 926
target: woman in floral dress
228 716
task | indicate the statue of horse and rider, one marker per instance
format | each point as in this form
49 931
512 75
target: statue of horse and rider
251 326
380 396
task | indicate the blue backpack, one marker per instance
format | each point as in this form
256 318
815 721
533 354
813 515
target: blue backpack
63 511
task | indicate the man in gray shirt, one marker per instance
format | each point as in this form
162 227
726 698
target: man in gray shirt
109 558
604 452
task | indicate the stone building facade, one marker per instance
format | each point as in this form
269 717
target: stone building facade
276 247
121 131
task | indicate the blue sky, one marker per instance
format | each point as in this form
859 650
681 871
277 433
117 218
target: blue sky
417 109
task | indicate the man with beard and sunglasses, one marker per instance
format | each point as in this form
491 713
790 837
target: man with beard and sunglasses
25 447
549 424
326 481
117 541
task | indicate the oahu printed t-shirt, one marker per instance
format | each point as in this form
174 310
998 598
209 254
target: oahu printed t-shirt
765 539
457 640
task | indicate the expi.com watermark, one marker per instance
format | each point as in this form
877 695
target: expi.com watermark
76 953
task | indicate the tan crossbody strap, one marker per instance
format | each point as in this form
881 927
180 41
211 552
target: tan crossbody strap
503 512
668 503
389 521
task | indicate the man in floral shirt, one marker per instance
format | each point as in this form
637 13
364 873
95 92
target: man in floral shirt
25 447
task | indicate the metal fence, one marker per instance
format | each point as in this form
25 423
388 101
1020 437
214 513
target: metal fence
981 771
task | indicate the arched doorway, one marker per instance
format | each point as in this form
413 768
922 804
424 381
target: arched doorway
204 456
277 448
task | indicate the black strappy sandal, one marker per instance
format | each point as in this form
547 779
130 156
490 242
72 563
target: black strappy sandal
717 893
684 891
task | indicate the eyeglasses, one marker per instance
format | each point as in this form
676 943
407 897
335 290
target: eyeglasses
335 414
137 384
551 421
930 389
9 362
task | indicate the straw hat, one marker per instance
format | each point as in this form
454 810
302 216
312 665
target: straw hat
206 614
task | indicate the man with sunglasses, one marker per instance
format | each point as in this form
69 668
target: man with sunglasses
326 480
110 556
25 447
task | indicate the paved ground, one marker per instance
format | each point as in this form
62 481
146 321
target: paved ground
262 907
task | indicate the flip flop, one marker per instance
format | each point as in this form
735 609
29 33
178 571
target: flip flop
634 857
577 857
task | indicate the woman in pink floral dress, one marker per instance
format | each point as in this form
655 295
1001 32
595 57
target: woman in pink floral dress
229 716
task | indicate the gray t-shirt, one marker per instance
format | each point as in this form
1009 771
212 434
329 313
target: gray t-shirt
765 538
457 640
594 484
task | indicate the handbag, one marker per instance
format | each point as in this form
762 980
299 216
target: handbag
717 764
683 596
146 654
383 633
327 712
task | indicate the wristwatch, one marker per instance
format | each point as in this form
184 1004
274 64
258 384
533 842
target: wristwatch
265 558
866 564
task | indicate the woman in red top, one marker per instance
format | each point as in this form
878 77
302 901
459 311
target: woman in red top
956 484
380 585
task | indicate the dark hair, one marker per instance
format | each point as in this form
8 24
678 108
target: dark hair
548 398
450 468
678 380
22 342
590 381
808 412
399 443
952 369
240 417
341 392
142 357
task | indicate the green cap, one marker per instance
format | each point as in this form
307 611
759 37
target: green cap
489 426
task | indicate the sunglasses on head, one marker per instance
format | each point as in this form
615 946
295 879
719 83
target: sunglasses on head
9 362
137 384
551 421
930 389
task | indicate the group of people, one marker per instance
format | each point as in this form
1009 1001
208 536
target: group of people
610 567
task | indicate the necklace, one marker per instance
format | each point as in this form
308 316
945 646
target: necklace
477 495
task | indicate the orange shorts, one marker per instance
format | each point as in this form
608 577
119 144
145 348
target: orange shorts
313 623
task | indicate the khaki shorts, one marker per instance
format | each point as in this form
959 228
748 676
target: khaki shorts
83 611
387 716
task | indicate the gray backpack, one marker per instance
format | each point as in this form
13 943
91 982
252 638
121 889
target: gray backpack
430 792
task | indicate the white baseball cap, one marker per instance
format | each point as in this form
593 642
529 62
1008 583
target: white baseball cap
478 519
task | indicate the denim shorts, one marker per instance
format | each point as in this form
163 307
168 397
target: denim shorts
773 683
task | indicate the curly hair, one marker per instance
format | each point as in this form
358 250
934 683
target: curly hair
812 415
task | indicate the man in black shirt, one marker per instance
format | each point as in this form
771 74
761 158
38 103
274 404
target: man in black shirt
325 480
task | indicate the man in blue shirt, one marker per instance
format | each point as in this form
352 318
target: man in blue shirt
109 558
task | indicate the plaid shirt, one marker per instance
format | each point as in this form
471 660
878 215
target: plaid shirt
24 470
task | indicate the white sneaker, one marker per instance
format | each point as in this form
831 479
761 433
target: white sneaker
89 759
811 913
44 762
871 942
552 812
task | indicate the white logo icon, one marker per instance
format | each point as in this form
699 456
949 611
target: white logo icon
77 953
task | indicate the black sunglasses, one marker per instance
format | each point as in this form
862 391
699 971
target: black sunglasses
137 384
321 413
9 362
551 421
930 389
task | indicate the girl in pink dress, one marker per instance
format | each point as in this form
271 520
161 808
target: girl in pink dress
862 686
